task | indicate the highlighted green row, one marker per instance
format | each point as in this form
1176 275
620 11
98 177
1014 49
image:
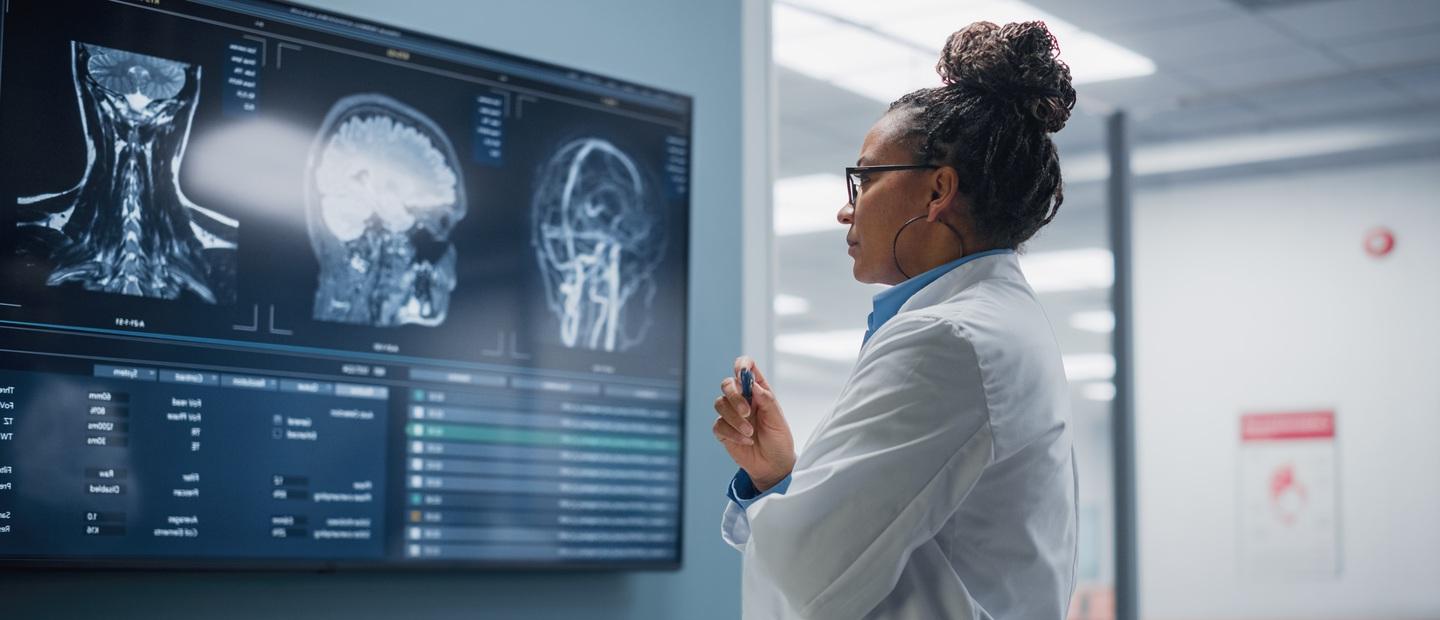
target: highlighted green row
500 434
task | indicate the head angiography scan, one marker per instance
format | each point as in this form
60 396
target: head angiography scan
384 192
126 227
599 234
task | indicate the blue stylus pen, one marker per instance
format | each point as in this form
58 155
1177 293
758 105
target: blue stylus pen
746 378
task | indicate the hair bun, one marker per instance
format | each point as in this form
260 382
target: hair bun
1018 62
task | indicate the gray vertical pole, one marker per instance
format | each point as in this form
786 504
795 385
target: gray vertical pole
1127 599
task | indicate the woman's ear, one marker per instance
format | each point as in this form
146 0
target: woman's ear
944 192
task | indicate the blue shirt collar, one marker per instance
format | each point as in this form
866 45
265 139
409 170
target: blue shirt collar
888 302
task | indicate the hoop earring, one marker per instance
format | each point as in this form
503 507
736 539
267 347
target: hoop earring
895 245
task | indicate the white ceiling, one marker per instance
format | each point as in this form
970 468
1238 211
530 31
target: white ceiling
1220 68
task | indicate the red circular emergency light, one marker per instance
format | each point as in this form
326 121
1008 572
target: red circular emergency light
1379 242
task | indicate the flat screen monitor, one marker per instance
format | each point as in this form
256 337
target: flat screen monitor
283 288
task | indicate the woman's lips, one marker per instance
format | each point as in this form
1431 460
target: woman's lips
851 250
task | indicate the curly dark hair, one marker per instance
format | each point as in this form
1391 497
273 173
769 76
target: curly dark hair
1005 91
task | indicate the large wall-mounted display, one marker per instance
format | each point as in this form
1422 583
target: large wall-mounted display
283 288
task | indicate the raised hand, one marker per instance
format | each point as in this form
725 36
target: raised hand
754 433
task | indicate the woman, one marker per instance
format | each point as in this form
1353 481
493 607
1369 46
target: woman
942 485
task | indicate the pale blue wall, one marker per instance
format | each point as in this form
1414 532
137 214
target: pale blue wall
690 46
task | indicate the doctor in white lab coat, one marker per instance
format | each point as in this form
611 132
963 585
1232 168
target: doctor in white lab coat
942 484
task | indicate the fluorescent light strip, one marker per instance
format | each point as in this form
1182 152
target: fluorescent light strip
790 305
1103 391
852 58
1097 321
809 203
1089 366
884 50
841 345
1069 270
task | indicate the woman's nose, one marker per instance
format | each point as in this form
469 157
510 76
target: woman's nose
846 214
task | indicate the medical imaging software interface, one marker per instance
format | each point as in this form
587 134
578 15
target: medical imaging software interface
282 288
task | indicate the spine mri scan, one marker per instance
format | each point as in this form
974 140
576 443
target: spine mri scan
383 194
126 227
598 233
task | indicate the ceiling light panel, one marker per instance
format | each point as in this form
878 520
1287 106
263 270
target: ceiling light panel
1069 270
1096 321
841 345
790 305
1088 366
884 50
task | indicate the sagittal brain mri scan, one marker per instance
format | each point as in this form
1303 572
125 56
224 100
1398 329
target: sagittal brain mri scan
383 196
126 227
599 236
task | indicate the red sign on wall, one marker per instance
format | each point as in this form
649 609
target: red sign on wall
1273 426
1287 495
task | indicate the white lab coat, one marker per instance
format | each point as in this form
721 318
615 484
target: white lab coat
943 483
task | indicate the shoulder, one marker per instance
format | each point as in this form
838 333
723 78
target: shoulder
994 315
1010 355
918 332
920 371
921 351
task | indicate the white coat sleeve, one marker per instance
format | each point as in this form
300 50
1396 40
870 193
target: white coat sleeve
908 439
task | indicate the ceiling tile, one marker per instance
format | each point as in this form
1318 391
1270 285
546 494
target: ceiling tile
1148 91
804 150
1190 121
1103 16
804 93
1349 19
1263 69
1331 97
821 125
1184 41
1419 82
1415 47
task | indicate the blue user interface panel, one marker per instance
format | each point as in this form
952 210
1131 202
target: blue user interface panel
284 288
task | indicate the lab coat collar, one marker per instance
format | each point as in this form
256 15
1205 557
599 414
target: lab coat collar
1003 265
891 301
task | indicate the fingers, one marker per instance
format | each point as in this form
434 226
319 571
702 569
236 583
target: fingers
726 433
730 389
745 361
764 399
732 416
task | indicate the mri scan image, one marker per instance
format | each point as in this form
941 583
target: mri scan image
384 192
598 234
125 227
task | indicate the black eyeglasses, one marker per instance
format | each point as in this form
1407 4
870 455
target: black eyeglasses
855 174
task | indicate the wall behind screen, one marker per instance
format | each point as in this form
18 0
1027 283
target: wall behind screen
689 46
1255 295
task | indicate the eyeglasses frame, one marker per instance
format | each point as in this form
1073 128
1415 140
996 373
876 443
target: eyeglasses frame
852 181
